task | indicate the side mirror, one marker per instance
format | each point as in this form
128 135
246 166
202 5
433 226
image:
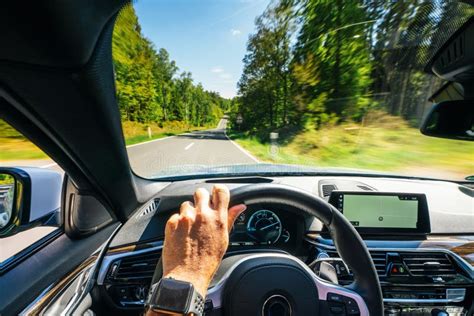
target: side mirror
450 119
29 197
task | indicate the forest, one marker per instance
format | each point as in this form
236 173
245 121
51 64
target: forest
151 89
310 63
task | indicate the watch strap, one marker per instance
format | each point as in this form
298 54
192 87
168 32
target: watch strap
196 304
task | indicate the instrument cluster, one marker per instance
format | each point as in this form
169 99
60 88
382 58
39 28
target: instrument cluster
264 226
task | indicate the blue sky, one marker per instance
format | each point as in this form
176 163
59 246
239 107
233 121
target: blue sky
206 37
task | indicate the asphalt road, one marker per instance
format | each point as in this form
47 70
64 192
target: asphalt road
170 154
210 147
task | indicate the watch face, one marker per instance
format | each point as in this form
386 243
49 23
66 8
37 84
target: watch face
173 295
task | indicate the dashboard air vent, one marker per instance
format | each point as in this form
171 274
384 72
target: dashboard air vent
365 188
380 261
379 258
137 267
327 189
428 263
418 264
150 208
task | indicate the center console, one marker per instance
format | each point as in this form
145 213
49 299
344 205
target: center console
414 281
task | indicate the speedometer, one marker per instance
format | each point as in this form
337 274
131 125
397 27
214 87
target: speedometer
264 226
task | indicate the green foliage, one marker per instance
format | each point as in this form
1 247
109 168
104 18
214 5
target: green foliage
149 88
321 78
312 62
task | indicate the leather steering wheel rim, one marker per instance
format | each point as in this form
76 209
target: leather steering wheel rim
347 240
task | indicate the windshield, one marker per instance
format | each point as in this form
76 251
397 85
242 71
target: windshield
287 85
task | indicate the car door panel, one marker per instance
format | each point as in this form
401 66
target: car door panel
23 284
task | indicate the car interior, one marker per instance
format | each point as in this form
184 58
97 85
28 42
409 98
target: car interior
301 239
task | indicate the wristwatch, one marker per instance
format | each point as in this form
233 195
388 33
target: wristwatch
175 297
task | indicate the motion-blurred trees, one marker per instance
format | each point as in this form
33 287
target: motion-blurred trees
311 62
265 84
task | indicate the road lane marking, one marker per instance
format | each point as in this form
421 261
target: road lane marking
189 146
241 149
49 165
151 141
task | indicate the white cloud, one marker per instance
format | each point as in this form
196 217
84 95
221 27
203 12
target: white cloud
217 70
235 32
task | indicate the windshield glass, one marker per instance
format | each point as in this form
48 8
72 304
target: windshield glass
208 87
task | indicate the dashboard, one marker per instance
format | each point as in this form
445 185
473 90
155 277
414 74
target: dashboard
420 274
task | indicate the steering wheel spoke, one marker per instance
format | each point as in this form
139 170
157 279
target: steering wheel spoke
339 299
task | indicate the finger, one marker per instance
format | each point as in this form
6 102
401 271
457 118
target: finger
220 198
234 212
172 224
187 212
201 199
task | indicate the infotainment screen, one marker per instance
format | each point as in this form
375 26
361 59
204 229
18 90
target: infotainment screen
377 212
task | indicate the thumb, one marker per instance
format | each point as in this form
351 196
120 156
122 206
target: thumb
234 212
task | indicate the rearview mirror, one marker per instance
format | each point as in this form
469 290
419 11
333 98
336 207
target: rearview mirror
450 119
29 197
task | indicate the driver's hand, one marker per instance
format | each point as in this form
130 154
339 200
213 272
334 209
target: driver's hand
197 238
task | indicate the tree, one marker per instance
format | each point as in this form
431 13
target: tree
148 90
264 86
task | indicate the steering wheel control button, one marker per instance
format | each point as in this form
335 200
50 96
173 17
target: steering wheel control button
336 309
351 306
337 300
333 297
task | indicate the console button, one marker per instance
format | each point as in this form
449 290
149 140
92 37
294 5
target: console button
123 293
397 269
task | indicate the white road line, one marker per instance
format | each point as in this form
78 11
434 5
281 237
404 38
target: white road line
189 146
241 149
151 141
49 165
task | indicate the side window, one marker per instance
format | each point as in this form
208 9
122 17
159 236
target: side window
30 188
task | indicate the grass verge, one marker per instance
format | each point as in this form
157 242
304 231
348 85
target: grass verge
382 142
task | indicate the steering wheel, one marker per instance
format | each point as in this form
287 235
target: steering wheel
277 284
